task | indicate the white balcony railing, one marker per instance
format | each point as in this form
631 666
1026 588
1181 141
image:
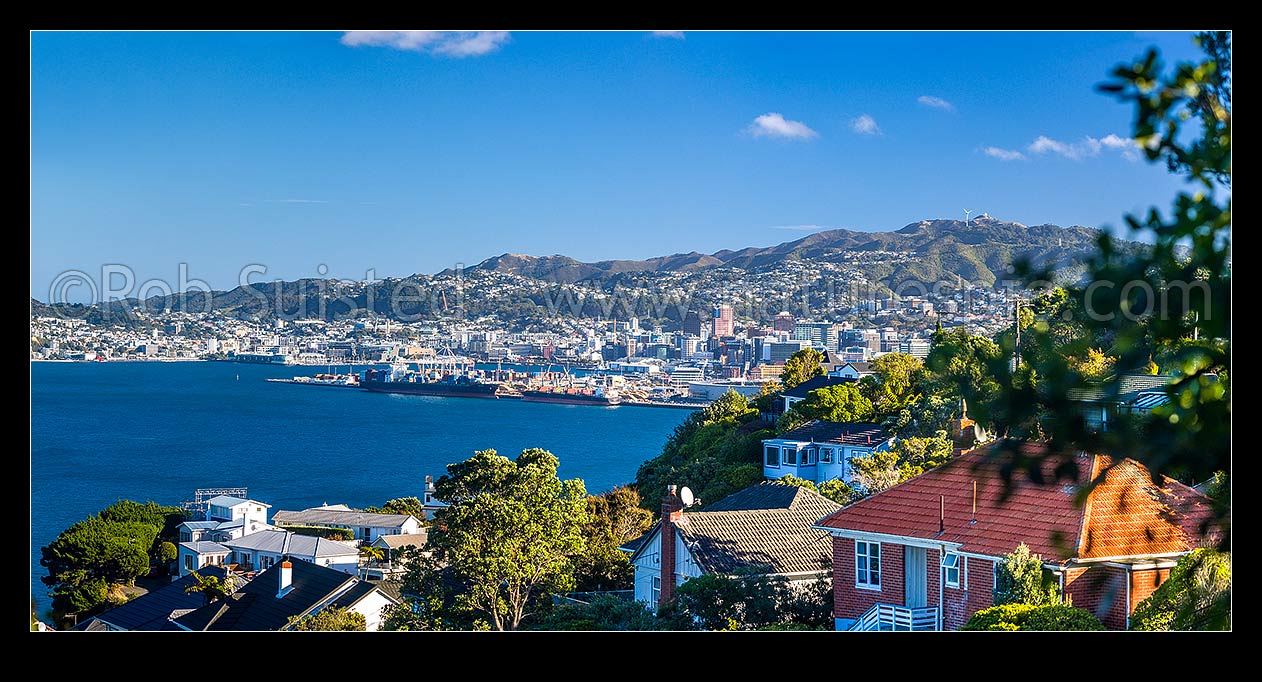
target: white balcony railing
890 617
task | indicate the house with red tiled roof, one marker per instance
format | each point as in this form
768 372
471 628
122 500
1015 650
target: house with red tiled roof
923 554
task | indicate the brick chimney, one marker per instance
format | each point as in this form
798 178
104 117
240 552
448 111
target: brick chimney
672 511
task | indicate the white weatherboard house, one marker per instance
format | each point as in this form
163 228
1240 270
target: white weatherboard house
820 451
259 551
763 529
366 526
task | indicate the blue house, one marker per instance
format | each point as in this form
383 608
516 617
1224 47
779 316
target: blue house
820 451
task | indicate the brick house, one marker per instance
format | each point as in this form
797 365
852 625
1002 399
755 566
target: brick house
922 555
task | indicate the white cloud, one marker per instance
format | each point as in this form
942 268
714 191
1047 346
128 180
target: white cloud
935 102
1075 151
446 43
774 125
677 35
802 228
1003 154
1129 148
865 125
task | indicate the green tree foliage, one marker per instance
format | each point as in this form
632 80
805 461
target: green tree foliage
715 452
767 396
1196 596
893 384
961 365
801 367
614 519
834 489
1021 580
1031 617
510 535
909 457
372 554
401 505
1093 365
88 556
603 612
332 618
923 454
1166 299
722 602
211 587
878 471
839 403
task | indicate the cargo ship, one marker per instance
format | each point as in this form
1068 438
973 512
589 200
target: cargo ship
398 379
598 396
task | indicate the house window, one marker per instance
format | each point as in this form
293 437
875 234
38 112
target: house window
189 564
186 536
773 456
867 564
790 457
808 457
951 569
656 591
826 455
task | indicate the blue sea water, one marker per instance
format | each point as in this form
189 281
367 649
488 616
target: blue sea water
156 431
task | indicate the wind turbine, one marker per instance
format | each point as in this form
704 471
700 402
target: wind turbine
966 213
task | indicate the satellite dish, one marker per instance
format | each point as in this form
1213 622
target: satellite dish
686 495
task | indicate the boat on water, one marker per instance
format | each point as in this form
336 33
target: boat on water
571 396
443 383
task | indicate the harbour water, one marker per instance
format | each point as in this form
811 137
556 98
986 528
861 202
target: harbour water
156 431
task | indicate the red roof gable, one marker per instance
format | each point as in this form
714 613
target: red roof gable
1125 515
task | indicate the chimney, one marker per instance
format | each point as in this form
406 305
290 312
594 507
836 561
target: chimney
286 578
672 511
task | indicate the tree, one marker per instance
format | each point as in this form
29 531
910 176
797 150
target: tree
401 505
1196 596
839 403
1020 579
614 519
801 367
961 365
894 382
1094 365
877 472
372 554
923 454
838 491
749 602
767 395
88 556
603 612
211 587
1165 297
510 533
714 451
332 618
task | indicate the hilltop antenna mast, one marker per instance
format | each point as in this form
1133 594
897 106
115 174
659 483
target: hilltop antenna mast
966 214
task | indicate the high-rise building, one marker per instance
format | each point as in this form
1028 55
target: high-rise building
692 324
781 351
724 321
783 322
918 348
823 334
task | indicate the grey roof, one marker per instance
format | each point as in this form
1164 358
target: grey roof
230 501
151 611
299 545
255 607
201 525
340 517
841 433
206 547
765 528
860 367
406 540
821 381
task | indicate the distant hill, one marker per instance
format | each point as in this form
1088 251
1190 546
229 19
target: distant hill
980 251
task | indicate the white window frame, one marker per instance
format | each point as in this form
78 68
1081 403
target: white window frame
825 455
863 577
784 460
810 456
655 590
766 451
947 569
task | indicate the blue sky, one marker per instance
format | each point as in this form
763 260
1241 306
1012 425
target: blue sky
411 152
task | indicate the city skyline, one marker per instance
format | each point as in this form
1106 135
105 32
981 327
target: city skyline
410 152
